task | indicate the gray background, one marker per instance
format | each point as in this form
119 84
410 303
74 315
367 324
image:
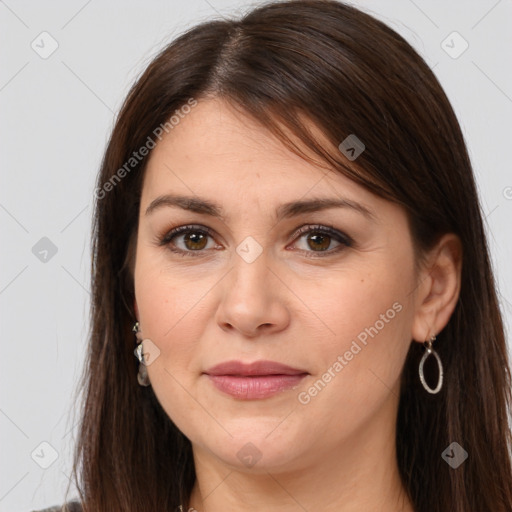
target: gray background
56 115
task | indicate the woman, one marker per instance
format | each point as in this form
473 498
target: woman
287 220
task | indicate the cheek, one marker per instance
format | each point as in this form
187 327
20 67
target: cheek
353 304
165 295
369 318
166 306
170 315
175 308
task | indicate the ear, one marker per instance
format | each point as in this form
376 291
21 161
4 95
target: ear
439 288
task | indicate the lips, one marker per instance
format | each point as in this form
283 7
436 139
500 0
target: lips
257 368
254 381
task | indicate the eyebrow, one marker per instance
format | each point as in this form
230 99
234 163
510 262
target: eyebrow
284 211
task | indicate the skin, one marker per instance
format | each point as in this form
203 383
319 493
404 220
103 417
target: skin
337 452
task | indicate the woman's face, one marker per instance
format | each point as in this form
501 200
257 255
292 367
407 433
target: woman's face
336 307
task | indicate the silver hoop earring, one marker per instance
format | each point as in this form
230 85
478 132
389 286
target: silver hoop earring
430 351
142 376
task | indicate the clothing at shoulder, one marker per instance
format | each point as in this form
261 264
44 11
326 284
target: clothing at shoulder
70 506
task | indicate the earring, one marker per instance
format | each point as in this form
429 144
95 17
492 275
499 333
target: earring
142 376
430 351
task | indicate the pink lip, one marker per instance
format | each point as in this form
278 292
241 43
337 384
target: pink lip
257 380
259 368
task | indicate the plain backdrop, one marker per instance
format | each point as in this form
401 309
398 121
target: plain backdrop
56 114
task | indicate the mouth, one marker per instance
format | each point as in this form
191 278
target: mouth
254 381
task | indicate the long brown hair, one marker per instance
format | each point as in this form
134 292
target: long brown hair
350 74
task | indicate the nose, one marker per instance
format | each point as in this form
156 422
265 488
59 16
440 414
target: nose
253 300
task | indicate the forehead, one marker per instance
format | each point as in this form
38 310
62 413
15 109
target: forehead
217 151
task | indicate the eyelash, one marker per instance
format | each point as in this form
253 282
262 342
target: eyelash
340 237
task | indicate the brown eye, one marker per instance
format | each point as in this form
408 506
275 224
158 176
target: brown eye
319 241
195 240
187 240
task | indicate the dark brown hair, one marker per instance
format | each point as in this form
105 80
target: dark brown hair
348 73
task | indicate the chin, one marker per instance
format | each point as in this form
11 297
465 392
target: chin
255 447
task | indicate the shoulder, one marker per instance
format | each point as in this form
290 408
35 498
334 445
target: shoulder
70 506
